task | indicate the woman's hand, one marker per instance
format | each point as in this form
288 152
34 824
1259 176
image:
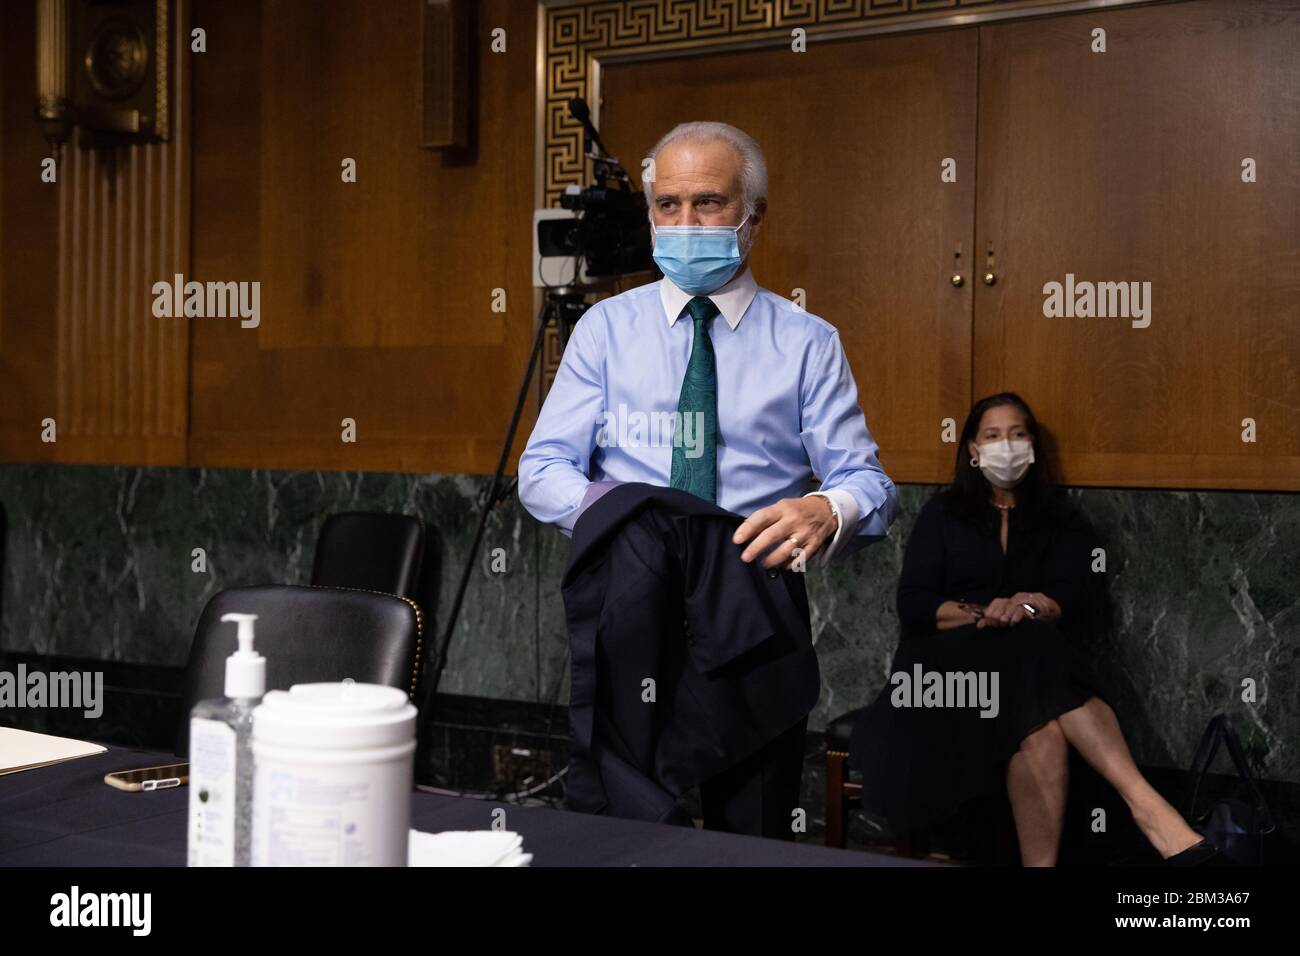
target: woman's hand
1048 610
997 613
954 614
1007 612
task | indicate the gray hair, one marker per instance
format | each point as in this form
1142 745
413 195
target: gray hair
753 167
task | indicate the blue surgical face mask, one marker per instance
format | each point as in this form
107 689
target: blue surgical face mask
698 259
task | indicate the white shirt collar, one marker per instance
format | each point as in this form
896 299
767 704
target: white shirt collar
732 299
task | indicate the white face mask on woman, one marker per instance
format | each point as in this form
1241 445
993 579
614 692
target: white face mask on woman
1005 462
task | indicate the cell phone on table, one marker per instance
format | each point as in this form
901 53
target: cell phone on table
150 778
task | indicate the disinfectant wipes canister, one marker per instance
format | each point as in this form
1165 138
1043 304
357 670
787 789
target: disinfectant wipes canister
333 775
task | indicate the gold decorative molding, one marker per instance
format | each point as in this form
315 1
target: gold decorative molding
578 36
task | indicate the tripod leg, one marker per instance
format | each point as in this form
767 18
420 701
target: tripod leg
490 500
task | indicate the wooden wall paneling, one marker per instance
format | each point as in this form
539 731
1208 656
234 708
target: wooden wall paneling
1126 166
29 238
854 133
29 220
376 297
82 333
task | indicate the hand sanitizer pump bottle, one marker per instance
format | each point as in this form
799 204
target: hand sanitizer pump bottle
221 759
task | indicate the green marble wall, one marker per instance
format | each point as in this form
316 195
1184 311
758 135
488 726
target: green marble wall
97 564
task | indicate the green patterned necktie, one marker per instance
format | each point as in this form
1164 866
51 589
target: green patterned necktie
697 411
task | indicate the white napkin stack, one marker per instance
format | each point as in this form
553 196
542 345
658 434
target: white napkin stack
467 848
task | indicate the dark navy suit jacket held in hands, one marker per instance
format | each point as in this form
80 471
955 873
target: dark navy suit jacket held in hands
655 591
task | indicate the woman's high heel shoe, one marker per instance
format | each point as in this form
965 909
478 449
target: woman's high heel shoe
1197 854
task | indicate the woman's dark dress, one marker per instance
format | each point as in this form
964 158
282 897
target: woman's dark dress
920 764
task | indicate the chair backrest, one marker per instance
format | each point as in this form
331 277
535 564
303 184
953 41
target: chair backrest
306 634
375 551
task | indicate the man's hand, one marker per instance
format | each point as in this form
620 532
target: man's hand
809 520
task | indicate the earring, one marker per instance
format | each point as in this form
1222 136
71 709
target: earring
974 462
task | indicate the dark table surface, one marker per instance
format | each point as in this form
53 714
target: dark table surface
65 815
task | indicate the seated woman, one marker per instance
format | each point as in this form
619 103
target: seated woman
996 572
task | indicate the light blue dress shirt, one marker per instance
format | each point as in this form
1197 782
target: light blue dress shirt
787 410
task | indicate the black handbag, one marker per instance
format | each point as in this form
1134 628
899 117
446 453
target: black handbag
1236 827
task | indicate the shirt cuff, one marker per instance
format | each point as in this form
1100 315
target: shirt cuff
846 516
593 493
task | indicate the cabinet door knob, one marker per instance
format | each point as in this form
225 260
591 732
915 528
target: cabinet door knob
990 278
957 279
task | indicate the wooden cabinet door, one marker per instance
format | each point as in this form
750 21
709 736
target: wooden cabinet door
1127 166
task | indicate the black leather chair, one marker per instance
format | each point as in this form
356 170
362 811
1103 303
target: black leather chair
374 551
306 634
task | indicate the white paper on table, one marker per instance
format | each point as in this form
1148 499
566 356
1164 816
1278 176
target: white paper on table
26 750
467 848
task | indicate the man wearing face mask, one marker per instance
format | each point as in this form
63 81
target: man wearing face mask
760 391
769 384
997 580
